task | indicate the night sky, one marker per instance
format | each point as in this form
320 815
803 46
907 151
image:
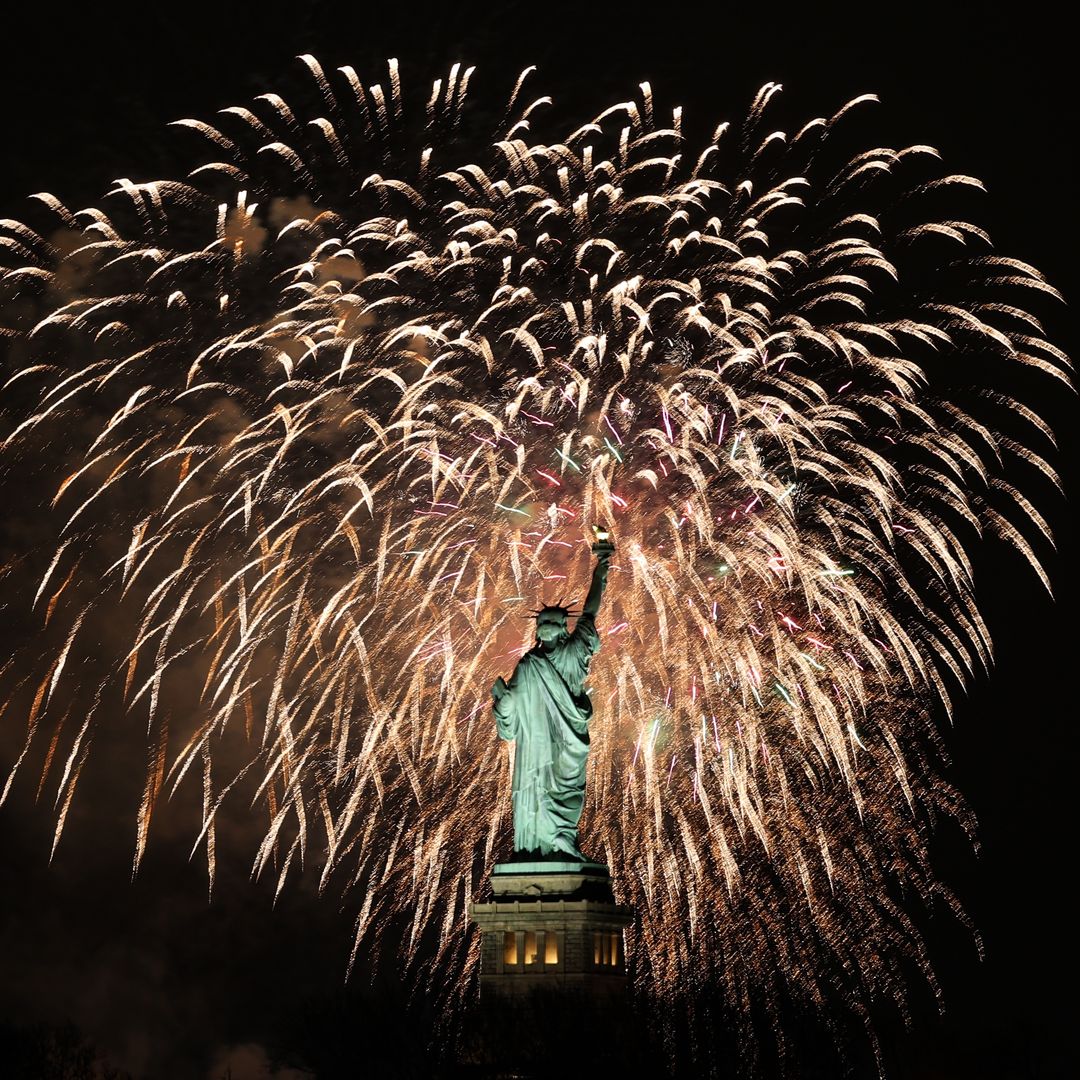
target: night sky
171 986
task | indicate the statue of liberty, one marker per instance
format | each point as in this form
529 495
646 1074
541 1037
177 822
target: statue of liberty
546 711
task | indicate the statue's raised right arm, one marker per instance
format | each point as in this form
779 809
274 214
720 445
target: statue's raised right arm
603 549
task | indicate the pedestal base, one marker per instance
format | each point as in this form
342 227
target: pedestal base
553 926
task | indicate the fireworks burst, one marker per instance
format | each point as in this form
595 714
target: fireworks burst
323 422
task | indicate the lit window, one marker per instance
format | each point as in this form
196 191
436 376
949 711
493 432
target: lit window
606 949
510 948
601 949
551 947
530 947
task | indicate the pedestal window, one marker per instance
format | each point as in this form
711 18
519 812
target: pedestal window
551 947
530 947
606 949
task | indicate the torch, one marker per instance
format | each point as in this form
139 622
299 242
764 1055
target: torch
602 545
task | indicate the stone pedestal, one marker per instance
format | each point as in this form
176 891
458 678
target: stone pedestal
552 927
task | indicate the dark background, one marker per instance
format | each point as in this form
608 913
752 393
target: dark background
171 985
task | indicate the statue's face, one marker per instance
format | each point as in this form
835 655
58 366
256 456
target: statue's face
550 628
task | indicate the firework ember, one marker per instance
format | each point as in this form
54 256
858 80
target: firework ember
322 423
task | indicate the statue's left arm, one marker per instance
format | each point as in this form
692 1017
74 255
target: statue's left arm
505 713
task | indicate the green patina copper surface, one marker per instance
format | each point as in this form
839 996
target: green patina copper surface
545 710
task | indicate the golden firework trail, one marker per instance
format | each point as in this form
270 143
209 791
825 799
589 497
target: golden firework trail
318 425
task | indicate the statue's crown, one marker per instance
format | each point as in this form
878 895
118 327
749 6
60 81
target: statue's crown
553 613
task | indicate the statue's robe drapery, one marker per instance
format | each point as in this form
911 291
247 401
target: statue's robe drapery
546 713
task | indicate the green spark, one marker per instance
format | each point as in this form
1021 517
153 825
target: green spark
569 460
613 450
653 734
513 509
